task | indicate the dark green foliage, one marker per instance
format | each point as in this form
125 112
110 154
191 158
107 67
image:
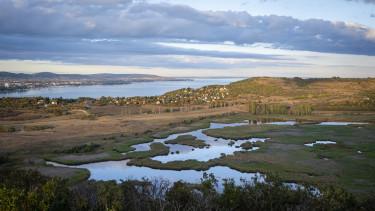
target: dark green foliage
28 190
33 102
247 145
4 158
7 129
188 140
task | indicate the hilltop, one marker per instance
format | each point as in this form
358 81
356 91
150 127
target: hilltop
317 91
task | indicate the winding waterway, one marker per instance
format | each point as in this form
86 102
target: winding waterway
120 170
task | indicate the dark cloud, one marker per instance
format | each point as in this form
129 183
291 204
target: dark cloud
366 1
125 19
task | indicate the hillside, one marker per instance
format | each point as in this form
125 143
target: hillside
325 93
328 91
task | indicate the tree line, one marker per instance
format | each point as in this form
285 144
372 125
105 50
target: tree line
275 108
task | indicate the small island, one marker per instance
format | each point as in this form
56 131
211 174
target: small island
188 140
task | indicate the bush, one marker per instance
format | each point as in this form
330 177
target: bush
28 190
37 127
7 129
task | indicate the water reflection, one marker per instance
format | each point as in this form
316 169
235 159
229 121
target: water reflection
217 147
119 170
342 123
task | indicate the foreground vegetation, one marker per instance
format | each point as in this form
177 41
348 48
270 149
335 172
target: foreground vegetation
27 190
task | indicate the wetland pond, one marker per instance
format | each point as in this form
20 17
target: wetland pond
216 147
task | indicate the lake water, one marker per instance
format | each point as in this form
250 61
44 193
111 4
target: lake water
119 170
125 90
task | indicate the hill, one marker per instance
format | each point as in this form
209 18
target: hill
322 93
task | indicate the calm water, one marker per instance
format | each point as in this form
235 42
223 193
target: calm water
342 123
119 170
126 90
217 146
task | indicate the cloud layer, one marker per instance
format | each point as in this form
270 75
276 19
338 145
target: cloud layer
125 19
135 36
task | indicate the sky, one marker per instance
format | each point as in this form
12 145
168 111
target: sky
236 38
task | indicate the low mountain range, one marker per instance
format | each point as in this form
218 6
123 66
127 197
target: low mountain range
48 76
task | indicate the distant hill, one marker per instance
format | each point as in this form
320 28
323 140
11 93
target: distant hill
302 88
92 77
325 93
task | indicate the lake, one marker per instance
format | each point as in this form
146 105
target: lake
125 90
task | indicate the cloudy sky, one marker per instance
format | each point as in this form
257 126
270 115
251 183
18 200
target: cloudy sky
320 38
